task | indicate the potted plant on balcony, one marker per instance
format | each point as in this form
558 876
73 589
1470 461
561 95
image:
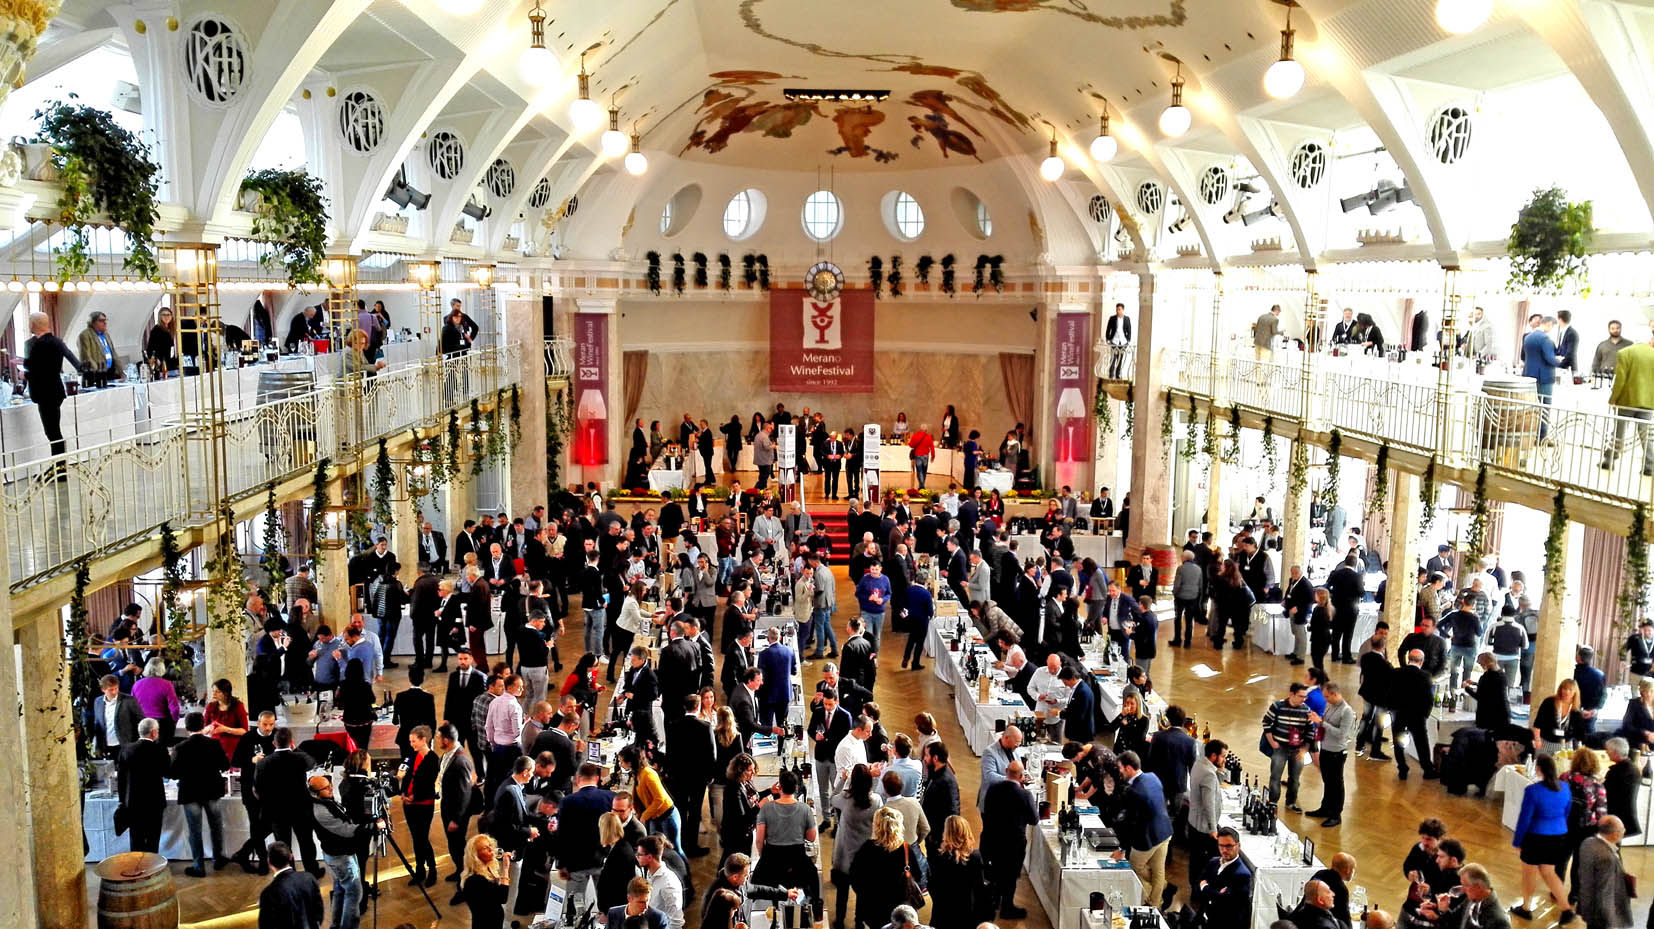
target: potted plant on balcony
1548 242
289 212
105 169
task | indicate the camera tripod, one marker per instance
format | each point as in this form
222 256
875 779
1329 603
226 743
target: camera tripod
379 809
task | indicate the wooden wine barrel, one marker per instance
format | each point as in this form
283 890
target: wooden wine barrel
1510 423
135 892
1165 560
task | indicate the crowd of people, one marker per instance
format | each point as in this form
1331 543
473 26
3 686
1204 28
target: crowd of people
501 768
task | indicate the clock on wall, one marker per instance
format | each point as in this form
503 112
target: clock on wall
824 280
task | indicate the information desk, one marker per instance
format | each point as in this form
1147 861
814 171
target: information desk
1065 888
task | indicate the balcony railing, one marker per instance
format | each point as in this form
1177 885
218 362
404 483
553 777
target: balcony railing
102 497
1578 442
1115 362
559 357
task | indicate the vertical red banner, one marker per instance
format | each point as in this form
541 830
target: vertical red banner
591 400
1071 356
821 347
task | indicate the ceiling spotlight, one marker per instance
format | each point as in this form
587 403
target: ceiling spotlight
1273 209
1104 147
613 141
1384 195
460 7
475 210
1176 118
636 163
1051 168
583 110
1236 213
1286 76
1177 226
1462 16
402 193
537 64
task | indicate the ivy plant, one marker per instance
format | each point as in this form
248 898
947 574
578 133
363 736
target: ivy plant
1548 243
106 169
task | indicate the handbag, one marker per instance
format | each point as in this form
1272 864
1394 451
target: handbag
913 895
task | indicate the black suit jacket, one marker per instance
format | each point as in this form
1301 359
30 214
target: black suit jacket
1114 324
461 693
1622 783
198 765
563 749
412 708
510 822
744 704
143 765
456 785
292 901
127 717
465 544
679 672
280 782
438 542
691 753
44 356
423 600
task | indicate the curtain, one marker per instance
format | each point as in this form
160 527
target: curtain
1602 566
1018 373
634 368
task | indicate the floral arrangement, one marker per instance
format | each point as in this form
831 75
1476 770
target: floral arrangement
895 277
291 214
723 271
106 169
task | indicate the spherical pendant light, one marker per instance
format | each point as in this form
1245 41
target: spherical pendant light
1104 147
613 141
1286 76
584 111
1462 16
537 64
636 163
1052 167
1176 118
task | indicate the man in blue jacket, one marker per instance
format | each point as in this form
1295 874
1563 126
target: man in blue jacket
1224 892
1079 716
1539 362
1593 686
1144 829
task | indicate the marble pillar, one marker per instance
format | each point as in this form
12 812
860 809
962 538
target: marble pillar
1402 590
1295 536
1151 485
1553 656
333 577
528 487
224 652
17 873
1108 451
1217 504
405 534
53 792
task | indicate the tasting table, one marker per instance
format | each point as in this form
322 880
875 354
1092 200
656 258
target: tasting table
1275 878
1064 888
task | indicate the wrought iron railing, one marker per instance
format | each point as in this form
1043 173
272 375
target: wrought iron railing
1597 451
560 358
1115 362
98 499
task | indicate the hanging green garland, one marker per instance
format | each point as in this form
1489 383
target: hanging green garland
172 619
1231 454
451 448
559 419
318 512
1269 452
78 634
1634 583
384 478
496 435
517 415
1381 481
226 578
1166 441
1209 437
1556 582
1131 414
275 563
1105 415
1330 493
1476 533
478 441
1297 468
1427 496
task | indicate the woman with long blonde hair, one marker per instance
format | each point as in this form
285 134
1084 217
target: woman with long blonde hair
486 882
1558 719
957 865
726 743
879 871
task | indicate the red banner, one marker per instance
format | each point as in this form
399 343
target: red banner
591 402
821 347
1071 364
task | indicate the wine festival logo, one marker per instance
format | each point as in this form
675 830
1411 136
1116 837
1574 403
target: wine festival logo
821 346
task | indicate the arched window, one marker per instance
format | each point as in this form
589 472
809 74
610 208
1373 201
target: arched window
823 215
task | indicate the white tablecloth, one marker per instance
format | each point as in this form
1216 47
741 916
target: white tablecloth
101 840
1272 877
662 479
1065 892
1272 631
999 480
89 418
977 719
1103 549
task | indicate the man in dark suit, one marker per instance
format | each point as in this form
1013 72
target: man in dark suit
1145 830
465 685
856 655
970 513
1172 756
142 766
467 542
679 671
1346 587
958 569
456 780
44 356
1118 333
198 765
1315 911
1639 649
1007 812
1337 877
1622 782
413 707
433 549
1411 692
120 710
292 899
1298 601
423 602
738 658
1223 895
1593 685
1080 714
690 760
559 740
743 702
285 797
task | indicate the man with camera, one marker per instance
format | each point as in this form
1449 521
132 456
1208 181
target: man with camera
339 839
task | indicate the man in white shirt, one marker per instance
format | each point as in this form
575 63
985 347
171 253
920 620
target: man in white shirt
852 751
665 890
767 532
950 503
